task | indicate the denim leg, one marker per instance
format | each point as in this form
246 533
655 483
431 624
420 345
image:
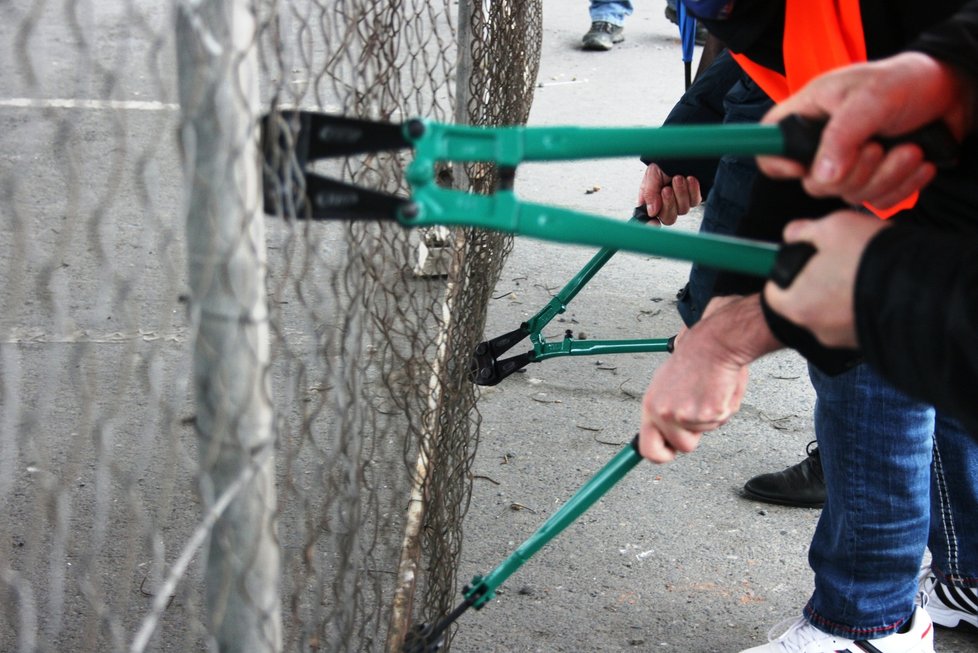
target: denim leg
953 538
729 198
722 212
611 11
875 445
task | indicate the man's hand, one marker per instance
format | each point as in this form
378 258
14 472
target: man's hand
701 385
665 197
890 97
694 391
821 298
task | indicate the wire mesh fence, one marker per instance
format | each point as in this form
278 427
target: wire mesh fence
221 430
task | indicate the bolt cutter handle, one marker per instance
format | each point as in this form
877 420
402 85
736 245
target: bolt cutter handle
483 588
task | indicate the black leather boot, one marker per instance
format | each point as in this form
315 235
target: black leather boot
800 485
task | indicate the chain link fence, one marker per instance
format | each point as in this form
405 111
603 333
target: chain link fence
221 430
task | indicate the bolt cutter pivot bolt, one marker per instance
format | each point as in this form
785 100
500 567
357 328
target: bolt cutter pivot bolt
410 211
415 128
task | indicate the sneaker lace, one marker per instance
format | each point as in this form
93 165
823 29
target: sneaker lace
925 585
923 574
923 598
793 634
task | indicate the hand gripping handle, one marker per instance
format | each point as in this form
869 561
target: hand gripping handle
801 139
802 135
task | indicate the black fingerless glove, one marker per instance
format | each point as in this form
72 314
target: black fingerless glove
828 360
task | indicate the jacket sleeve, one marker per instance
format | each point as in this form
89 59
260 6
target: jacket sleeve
917 315
916 309
701 104
954 41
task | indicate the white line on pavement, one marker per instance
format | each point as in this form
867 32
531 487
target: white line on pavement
125 105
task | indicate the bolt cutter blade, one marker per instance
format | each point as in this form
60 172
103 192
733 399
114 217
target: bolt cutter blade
335 200
420 640
428 638
323 135
292 139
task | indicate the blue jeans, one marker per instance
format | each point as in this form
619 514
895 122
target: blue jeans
886 502
953 540
611 11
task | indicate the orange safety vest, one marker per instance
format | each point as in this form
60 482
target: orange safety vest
819 36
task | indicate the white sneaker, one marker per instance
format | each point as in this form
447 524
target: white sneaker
948 605
802 637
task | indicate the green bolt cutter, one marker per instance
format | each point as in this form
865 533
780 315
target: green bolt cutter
483 588
290 140
488 368
311 136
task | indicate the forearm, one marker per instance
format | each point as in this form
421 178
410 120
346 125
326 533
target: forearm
734 330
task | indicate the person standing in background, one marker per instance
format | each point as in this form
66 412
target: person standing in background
607 24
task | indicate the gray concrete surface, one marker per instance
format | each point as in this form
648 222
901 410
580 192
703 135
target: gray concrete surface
673 559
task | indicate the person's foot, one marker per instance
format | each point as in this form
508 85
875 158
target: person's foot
801 485
673 17
603 36
917 636
949 606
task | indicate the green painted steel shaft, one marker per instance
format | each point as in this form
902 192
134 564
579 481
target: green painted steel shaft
484 588
563 225
558 304
568 347
509 146
501 211
512 145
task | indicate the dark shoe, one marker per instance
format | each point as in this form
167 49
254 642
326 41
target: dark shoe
673 17
602 36
800 485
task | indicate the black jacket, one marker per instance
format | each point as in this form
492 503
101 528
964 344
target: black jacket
917 287
702 104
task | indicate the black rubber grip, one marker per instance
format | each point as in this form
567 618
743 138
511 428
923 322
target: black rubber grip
791 260
801 138
641 214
